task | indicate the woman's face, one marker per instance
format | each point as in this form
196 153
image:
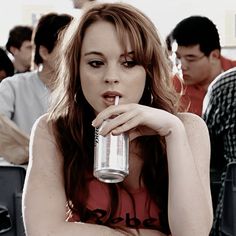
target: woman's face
105 72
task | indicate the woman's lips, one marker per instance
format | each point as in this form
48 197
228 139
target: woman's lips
109 100
109 97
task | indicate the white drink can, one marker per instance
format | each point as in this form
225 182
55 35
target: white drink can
111 157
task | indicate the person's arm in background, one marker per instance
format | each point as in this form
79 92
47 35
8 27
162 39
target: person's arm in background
13 141
14 144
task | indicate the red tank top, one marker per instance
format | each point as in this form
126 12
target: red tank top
147 213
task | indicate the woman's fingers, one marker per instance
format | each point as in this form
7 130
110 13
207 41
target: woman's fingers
119 124
111 112
126 117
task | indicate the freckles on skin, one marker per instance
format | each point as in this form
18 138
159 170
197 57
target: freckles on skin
103 67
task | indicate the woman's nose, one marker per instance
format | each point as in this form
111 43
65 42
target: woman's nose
112 75
111 80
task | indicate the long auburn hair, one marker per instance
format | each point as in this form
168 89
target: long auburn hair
71 115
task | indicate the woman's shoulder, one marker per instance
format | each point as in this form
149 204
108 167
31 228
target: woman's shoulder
198 136
41 125
191 119
42 120
193 124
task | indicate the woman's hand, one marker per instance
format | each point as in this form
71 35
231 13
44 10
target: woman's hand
136 119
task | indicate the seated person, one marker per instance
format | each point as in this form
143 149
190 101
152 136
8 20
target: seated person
114 50
20 46
199 58
219 113
81 4
25 96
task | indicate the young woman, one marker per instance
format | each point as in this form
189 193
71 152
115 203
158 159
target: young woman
114 50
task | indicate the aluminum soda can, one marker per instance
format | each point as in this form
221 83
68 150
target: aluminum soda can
111 156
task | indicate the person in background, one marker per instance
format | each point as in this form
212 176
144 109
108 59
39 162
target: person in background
81 4
20 46
6 65
199 57
114 50
25 96
219 113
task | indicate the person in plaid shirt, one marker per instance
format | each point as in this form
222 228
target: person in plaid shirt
219 113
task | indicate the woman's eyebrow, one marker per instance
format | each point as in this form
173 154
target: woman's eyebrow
131 53
92 53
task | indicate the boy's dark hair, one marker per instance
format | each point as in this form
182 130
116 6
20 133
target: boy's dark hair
197 30
6 63
47 31
169 42
18 35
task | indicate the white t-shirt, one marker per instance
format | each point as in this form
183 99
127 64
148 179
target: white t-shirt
23 98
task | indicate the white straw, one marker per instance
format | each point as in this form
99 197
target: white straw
117 100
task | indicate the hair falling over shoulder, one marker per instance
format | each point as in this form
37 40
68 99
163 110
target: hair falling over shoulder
71 115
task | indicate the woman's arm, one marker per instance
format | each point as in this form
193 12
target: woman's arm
44 200
188 153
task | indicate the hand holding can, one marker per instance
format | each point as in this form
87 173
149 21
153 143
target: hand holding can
111 155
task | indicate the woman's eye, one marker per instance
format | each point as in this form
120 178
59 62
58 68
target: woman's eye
95 64
130 64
